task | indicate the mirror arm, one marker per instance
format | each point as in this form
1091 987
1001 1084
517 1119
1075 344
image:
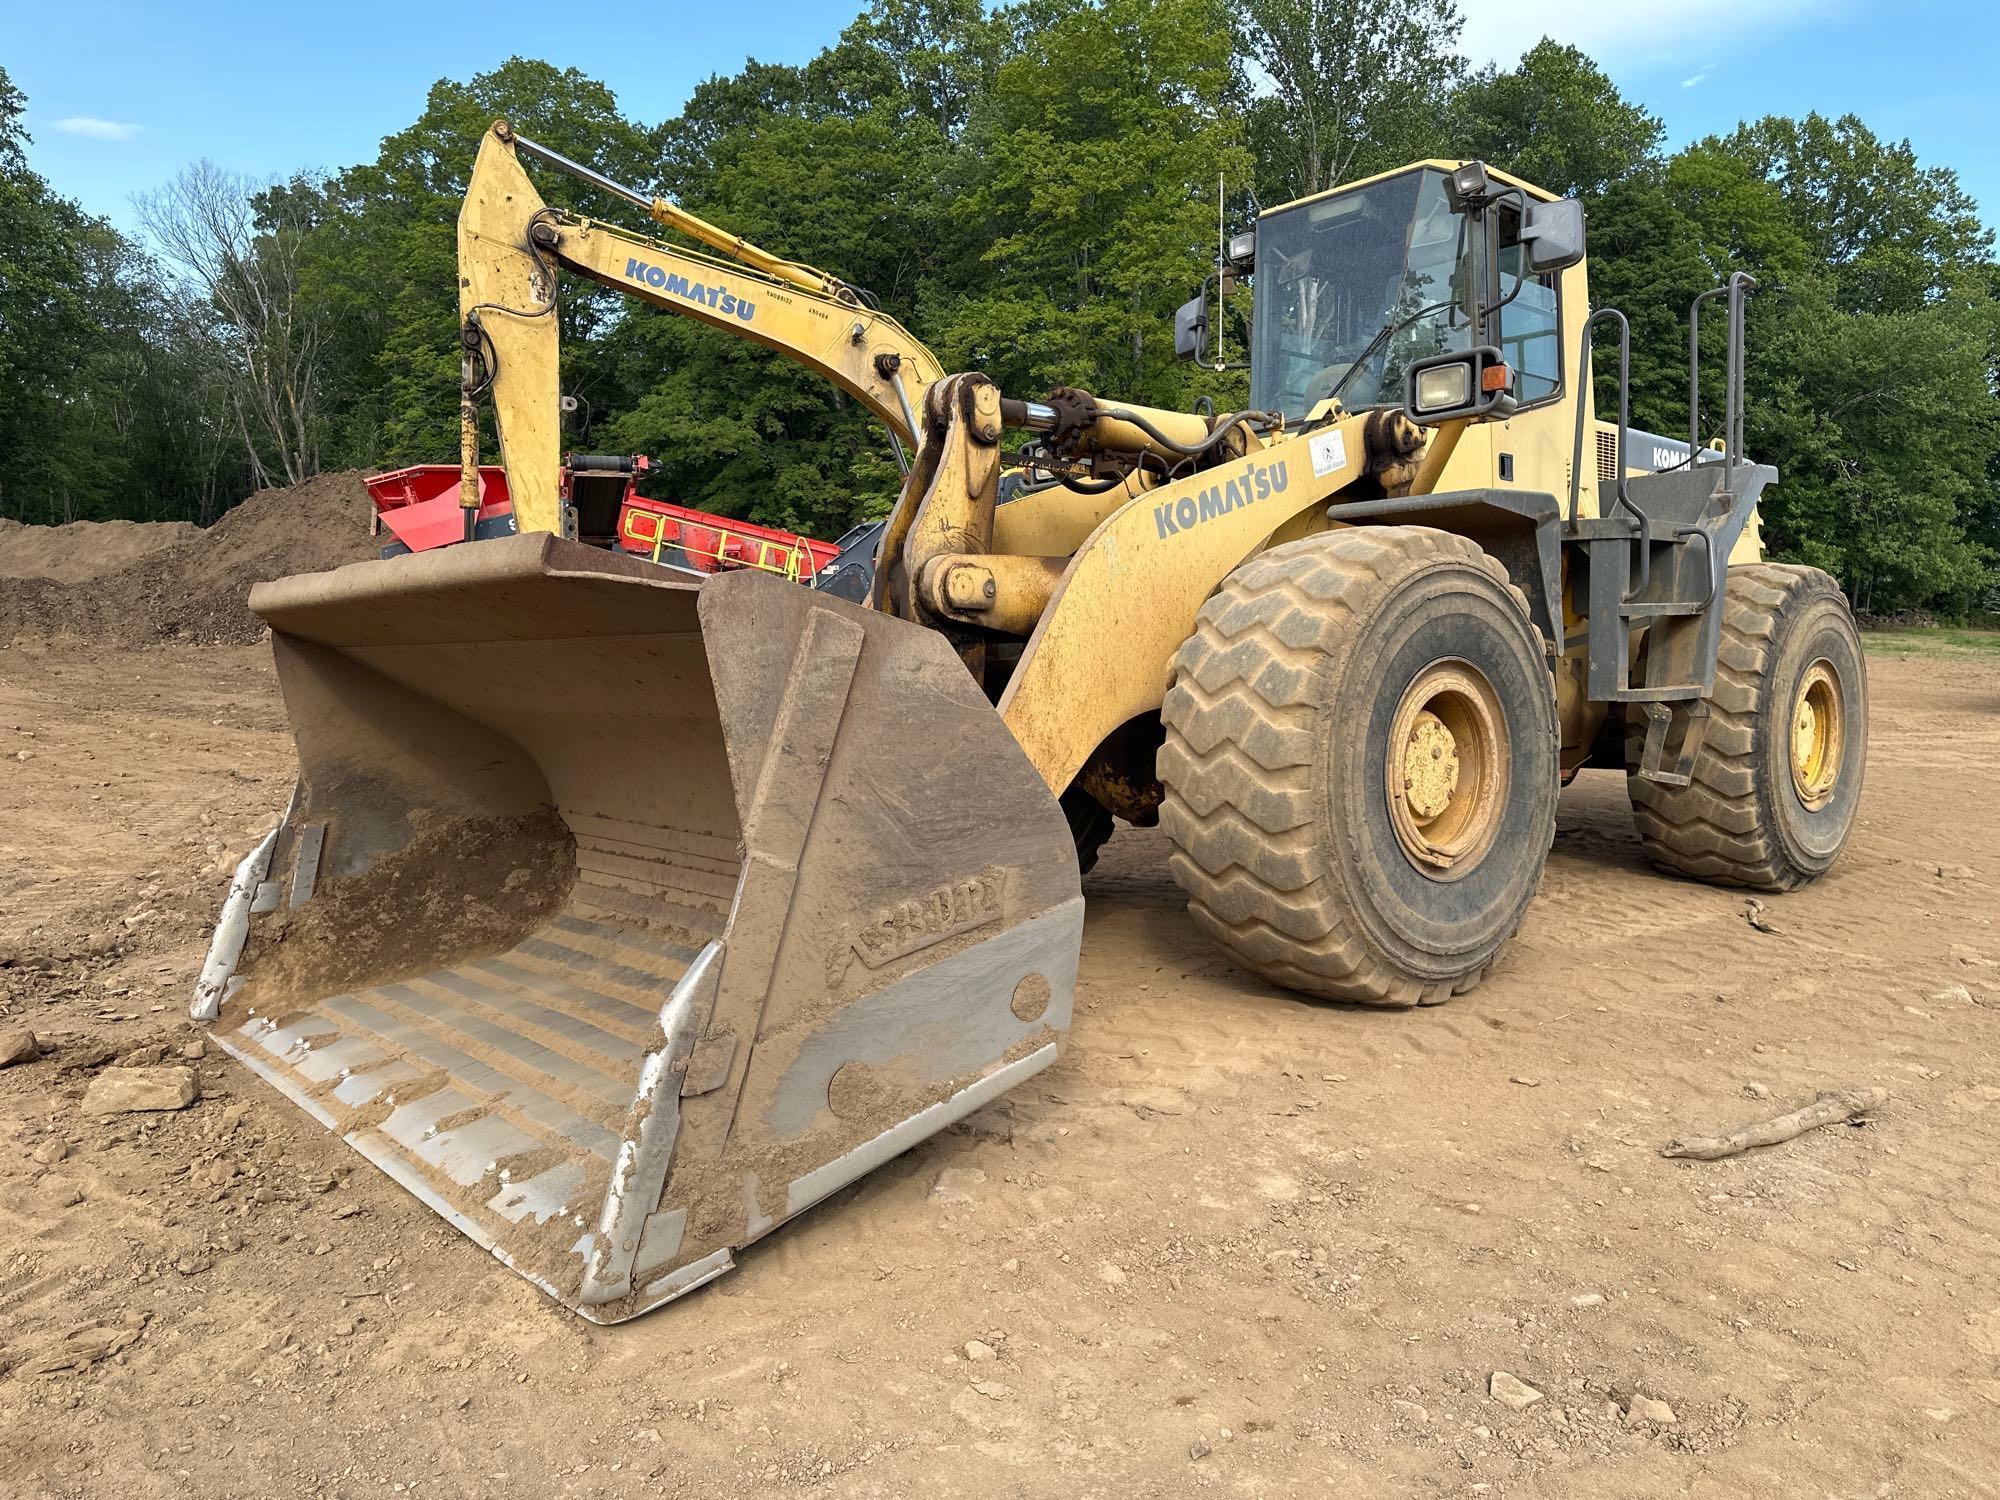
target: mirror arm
1201 333
1489 235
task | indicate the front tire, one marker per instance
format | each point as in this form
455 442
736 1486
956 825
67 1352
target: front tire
1090 826
1360 764
1778 777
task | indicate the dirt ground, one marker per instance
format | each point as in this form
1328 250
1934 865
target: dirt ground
1234 1242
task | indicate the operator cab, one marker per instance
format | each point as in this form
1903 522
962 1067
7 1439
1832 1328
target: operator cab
1358 286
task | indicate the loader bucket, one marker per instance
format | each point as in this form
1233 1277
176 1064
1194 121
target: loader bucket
621 918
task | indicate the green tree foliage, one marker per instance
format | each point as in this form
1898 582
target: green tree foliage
106 405
1893 234
381 260
845 163
1872 342
1356 86
46 325
842 163
1032 190
1085 200
1555 119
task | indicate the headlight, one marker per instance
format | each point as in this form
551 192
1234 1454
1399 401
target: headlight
1444 386
1468 187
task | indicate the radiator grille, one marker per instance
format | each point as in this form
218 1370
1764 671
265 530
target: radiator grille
1607 457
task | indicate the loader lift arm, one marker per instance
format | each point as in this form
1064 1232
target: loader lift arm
511 245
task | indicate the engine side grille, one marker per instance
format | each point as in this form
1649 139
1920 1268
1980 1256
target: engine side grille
1607 457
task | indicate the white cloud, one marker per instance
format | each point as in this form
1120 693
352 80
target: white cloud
96 129
1657 31
1698 77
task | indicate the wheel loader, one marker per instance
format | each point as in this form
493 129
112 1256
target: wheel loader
621 919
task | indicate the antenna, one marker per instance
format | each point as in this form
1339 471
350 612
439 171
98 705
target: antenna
1221 253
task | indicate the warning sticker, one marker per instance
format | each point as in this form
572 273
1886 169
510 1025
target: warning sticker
1328 450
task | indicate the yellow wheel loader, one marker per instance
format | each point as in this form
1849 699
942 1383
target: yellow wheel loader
622 919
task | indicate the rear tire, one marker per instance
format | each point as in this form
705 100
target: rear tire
1778 776
1298 853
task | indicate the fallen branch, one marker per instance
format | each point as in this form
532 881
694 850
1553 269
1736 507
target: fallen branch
83 1347
1827 1109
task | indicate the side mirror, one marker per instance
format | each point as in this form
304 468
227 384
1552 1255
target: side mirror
1191 326
1552 235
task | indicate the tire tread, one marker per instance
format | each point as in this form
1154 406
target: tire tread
1714 828
1238 760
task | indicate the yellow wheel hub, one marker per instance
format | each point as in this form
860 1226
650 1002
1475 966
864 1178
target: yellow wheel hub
1819 734
1447 768
1430 767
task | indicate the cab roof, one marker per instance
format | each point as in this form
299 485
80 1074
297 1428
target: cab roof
1440 163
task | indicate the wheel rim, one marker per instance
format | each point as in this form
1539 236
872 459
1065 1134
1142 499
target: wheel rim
1819 734
1447 768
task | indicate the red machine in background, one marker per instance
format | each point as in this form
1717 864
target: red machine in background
418 507
671 533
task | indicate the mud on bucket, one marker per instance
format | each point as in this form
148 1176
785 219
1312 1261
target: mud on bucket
620 918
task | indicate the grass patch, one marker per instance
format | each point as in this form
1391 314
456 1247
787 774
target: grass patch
1932 640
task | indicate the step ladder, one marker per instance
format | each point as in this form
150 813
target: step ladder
1656 558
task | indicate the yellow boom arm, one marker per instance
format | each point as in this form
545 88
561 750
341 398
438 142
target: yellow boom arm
510 246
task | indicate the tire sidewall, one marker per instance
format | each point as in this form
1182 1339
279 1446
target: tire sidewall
1816 626
1437 928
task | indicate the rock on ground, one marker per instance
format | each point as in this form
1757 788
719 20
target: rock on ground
1509 1390
18 1045
1646 1408
958 1185
117 1091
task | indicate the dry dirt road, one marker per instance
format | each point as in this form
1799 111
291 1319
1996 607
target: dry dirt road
1234 1243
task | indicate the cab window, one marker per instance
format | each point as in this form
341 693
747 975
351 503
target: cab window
1530 332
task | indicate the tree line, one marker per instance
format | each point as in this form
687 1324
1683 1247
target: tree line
1032 190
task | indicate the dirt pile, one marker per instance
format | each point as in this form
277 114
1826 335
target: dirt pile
84 549
195 589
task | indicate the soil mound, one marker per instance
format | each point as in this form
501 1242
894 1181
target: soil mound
196 588
84 549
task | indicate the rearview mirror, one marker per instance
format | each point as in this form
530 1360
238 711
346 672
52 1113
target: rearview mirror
1552 234
1191 326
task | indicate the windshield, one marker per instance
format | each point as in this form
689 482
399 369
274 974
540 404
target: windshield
1332 273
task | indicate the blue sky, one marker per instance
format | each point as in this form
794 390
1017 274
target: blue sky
121 95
